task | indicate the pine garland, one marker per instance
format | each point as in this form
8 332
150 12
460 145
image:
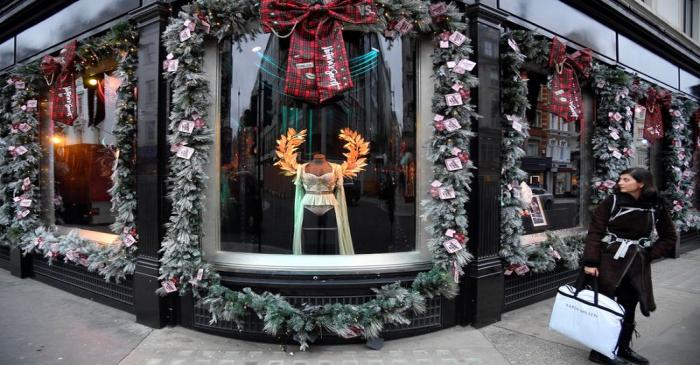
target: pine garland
680 178
5 174
612 135
112 261
182 266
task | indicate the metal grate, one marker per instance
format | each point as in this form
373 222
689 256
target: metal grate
5 257
524 290
79 277
251 324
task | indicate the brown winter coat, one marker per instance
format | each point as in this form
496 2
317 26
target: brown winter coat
636 263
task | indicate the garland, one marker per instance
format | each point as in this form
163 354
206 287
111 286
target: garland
5 174
677 158
116 260
182 266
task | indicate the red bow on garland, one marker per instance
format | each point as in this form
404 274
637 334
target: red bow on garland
653 122
59 73
317 65
565 97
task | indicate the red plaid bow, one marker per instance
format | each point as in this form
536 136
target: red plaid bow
653 124
565 96
317 65
60 75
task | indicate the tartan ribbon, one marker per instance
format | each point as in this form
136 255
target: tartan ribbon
317 65
59 73
565 97
653 123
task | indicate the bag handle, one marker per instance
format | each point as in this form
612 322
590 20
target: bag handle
580 284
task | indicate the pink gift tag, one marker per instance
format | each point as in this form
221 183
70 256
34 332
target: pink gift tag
457 86
26 182
20 150
466 64
185 34
404 26
185 152
23 213
459 70
617 116
26 203
614 135
32 103
20 85
450 232
186 126
444 44
452 245
617 154
453 99
456 151
457 38
446 193
200 274
522 270
453 164
172 65
452 124
436 184
437 9
169 286
129 240
190 25
438 117
24 127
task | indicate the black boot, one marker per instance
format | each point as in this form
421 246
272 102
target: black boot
624 351
599 358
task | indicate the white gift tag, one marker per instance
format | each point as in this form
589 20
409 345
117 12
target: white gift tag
451 64
453 99
200 274
25 203
438 117
456 151
24 127
450 232
20 85
457 86
169 286
20 150
129 240
186 126
453 164
32 103
185 34
185 152
172 65
513 45
614 135
459 70
451 124
446 193
23 213
452 245
457 38
517 126
617 154
444 44
466 64
436 184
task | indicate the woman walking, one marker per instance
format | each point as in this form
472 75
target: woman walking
619 250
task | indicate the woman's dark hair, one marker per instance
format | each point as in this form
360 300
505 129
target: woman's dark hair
643 176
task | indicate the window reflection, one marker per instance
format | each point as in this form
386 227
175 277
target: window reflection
257 201
552 162
84 155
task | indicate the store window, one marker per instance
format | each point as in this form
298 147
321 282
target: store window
553 164
79 156
260 210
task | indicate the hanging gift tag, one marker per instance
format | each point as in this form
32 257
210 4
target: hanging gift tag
453 164
185 152
617 154
457 38
459 70
20 85
450 232
617 116
24 127
19 151
466 64
129 240
200 274
190 25
446 193
452 124
614 135
522 270
436 184
404 26
517 126
451 64
437 9
172 65
185 34
25 203
32 103
453 99
555 254
457 86
71 255
444 44
513 45
169 286
438 117
452 246
23 213
186 126
456 151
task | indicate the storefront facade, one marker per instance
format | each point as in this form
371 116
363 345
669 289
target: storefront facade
207 180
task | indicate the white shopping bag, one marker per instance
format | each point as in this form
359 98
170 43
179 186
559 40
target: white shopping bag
593 323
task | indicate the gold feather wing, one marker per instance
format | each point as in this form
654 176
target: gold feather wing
286 152
357 150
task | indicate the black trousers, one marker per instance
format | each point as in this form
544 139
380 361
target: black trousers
627 296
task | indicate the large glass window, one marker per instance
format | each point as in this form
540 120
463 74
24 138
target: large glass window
80 157
258 204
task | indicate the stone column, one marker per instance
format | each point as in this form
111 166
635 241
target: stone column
481 299
152 156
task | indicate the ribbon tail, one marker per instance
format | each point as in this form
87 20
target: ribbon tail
332 68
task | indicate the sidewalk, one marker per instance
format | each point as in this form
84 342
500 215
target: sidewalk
43 325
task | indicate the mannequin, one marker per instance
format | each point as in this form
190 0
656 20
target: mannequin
319 165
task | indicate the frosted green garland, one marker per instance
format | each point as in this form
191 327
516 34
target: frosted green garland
6 207
182 266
